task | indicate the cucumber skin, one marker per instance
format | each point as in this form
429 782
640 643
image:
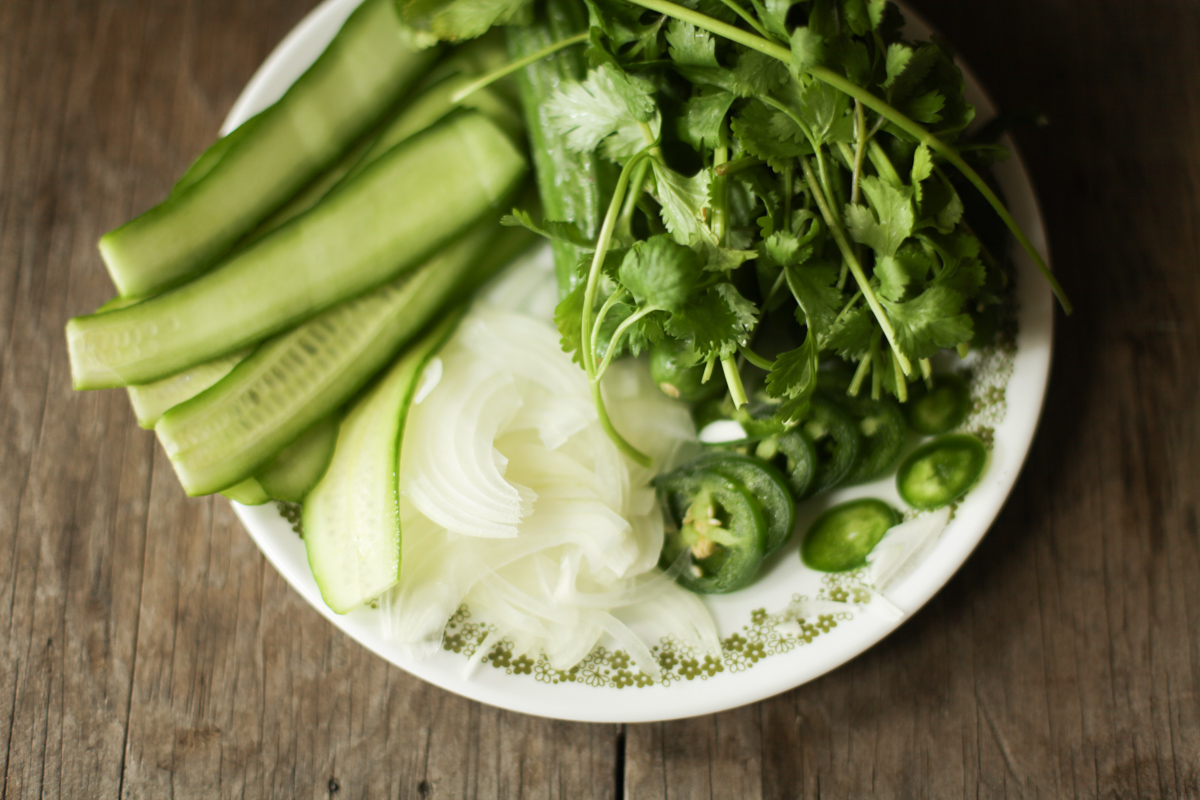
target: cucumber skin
249 492
186 233
335 531
151 401
373 229
300 466
443 280
569 183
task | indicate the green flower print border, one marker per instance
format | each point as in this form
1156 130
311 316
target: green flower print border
765 635
987 372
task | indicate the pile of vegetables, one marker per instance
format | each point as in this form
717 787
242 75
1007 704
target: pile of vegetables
264 302
765 199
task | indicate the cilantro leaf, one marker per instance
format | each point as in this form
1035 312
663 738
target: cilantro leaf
961 268
793 378
896 219
660 272
822 109
910 265
713 325
808 49
922 168
895 62
568 318
758 128
773 14
700 123
929 322
743 310
610 107
850 336
691 46
814 286
683 201
756 74
554 230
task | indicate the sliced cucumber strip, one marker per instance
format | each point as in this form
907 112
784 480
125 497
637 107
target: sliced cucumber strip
358 238
352 516
213 155
365 69
238 426
429 103
570 182
297 469
249 493
150 401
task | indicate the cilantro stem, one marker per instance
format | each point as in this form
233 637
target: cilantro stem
513 66
747 17
737 165
879 106
860 277
720 191
755 359
860 374
884 165
614 344
860 148
612 300
625 222
876 374
787 197
733 380
603 243
901 381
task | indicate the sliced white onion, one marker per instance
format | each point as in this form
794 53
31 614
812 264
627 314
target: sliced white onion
515 502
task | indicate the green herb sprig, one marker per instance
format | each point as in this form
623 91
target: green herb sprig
782 160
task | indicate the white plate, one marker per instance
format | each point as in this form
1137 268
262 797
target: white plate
760 658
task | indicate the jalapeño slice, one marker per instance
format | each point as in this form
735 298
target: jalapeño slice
794 454
842 537
837 441
720 531
881 423
940 409
767 485
942 470
679 372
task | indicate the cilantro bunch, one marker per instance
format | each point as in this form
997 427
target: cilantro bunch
783 160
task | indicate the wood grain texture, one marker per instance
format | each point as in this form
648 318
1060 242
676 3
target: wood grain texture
147 649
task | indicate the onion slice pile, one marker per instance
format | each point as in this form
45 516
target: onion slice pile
516 503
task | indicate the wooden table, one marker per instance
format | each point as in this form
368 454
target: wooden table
150 651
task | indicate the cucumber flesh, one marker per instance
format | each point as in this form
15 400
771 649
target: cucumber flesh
238 426
301 464
352 517
362 236
249 493
150 401
363 72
